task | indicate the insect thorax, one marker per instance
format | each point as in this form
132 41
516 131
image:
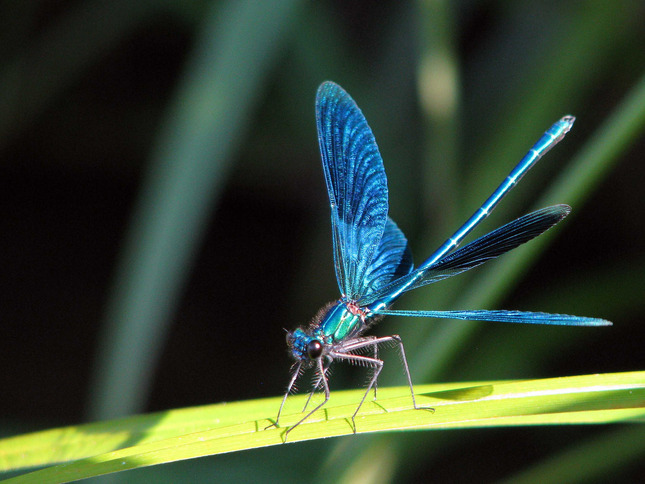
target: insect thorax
335 322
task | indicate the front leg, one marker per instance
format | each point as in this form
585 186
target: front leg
323 381
294 376
318 381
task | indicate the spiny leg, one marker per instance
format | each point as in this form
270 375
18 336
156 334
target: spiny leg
397 339
375 341
359 343
375 349
374 363
325 385
318 383
294 377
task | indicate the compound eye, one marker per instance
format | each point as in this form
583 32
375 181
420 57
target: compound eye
314 349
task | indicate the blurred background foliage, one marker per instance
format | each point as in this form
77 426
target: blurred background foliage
164 214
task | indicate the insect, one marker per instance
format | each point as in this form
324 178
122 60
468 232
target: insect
372 259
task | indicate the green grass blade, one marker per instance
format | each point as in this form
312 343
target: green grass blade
175 435
192 158
438 85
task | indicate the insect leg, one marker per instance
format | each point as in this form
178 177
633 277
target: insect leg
348 347
374 363
318 383
325 385
294 377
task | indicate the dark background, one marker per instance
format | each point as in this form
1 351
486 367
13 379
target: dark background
87 107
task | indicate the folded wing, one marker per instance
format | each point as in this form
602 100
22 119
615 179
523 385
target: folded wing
357 188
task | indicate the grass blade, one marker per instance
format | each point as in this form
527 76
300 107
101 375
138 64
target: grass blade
171 436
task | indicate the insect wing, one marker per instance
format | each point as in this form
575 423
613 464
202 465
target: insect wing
504 316
483 249
494 244
393 260
356 184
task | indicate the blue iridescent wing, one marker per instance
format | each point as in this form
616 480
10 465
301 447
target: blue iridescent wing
483 249
393 260
356 184
476 253
502 316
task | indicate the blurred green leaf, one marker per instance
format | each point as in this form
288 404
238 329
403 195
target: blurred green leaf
204 127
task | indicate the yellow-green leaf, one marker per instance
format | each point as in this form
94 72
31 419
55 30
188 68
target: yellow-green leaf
129 443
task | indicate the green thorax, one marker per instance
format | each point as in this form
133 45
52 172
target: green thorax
340 322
